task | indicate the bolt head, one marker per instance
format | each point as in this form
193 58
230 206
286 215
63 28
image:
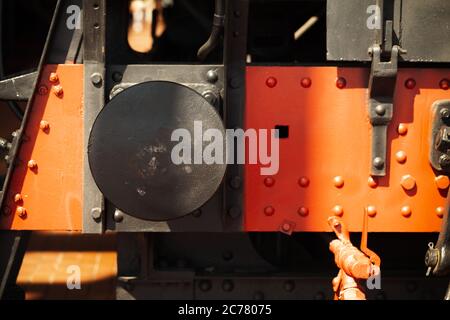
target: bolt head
269 211
408 182
371 211
117 76
197 213
235 182
400 156
341 83
338 210
96 213
96 78
338 181
380 109
205 285
303 211
269 182
402 129
212 76
6 211
378 163
234 212
444 113
406 211
410 83
444 84
21 212
32 165
44 125
306 82
58 91
53 78
431 258
372 182
227 285
442 182
440 212
18 198
43 90
211 97
271 82
118 216
303 182
444 160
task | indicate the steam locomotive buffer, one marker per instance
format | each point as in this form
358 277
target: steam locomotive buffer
256 150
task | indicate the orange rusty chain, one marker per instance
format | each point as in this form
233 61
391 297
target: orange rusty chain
353 263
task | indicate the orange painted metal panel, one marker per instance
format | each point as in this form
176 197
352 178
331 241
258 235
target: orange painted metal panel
329 146
47 194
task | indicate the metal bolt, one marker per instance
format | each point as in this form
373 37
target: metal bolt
341 83
371 211
402 129
205 285
43 90
303 211
372 182
303 182
117 76
431 257
18 198
444 84
21 212
286 227
53 78
338 210
444 113
197 213
338 182
212 76
378 163
444 160
410 83
289 286
44 125
234 212
7 211
408 182
96 213
258 295
269 182
235 83
400 156
440 212
211 97
235 182
306 82
269 211
442 182
58 91
380 109
271 82
96 78
227 285
118 216
406 211
32 165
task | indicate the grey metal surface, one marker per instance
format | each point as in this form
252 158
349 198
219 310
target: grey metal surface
94 100
19 87
419 27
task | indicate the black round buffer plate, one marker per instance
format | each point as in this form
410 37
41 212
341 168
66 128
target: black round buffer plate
130 149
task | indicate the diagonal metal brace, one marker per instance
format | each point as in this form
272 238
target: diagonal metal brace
18 88
383 76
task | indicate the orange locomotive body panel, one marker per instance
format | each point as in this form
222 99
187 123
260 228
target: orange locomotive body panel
324 163
45 192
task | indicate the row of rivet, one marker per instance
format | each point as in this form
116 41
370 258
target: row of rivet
341 83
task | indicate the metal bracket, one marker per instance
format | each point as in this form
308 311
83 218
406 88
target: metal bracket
440 137
383 76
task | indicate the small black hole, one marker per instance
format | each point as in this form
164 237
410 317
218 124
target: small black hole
283 132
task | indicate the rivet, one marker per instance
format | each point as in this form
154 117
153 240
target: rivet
269 182
212 76
442 182
235 182
269 211
303 211
408 182
400 156
440 211
406 211
58 91
43 90
338 210
410 83
234 212
371 211
380 109
117 76
44 125
205 285
372 182
338 181
306 82
118 216
21 212
289 285
402 129
32 164
444 113
303 182
444 84
286 227
53 78
197 213
271 82
227 285
378 163
6 211
18 198
444 160
341 83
